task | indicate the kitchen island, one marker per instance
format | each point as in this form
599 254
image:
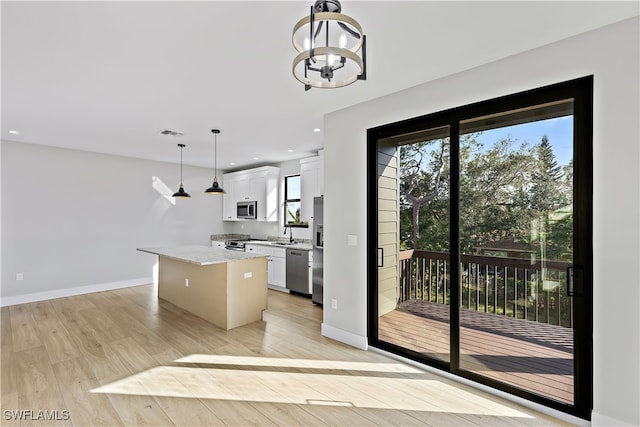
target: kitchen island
227 288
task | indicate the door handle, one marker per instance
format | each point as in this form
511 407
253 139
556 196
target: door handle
380 257
570 290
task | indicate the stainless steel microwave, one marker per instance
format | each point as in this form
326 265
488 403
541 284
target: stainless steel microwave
246 210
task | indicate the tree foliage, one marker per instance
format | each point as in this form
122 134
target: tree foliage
511 191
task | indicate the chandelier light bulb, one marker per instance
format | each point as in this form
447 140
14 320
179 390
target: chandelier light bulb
342 41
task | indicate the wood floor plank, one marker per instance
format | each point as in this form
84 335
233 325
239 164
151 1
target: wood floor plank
237 413
9 402
54 335
77 380
106 329
38 388
188 412
71 304
136 410
24 332
87 339
8 381
150 339
282 414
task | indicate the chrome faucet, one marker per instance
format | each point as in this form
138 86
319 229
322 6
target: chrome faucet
290 233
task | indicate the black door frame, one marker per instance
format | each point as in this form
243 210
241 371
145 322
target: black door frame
581 90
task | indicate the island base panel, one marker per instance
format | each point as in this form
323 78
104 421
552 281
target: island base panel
225 294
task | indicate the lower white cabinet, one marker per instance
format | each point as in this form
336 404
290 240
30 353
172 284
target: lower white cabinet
277 273
276 264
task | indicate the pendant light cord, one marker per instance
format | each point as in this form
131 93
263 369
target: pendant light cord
181 147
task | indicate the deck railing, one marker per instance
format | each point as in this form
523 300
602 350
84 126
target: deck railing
514 287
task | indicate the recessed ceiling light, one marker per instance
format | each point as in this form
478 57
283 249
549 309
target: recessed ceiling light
291 151
256 158
232 163
14 132
316 130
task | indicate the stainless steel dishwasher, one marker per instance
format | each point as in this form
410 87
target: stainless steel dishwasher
298 271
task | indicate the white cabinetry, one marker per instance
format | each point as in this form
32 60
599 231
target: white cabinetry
312 185
259 185
217 244
276 264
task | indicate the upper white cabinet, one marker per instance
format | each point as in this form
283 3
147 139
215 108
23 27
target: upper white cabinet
312 185
259 185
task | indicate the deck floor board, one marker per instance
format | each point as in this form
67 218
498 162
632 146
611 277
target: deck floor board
532 356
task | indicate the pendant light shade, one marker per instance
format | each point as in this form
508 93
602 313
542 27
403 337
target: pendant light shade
215 187
181 192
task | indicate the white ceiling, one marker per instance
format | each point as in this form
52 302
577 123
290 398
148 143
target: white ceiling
109 76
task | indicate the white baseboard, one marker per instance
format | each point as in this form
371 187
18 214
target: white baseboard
349 338
598 419
68 292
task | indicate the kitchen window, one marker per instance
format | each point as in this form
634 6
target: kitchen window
292 202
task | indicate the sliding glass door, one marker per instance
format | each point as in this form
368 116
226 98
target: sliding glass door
480 242
413 180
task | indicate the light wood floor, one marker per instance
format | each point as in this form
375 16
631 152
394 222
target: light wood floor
125 358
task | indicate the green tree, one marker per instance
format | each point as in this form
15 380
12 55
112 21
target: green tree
424 182
551 204
493 196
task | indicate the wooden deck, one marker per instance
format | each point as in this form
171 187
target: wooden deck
529 355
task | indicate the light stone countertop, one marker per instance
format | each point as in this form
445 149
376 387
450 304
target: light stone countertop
303 246
200 255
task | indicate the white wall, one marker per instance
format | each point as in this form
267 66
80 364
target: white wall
263 230
73 219
611 54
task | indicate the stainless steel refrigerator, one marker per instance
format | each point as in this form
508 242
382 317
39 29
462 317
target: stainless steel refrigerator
318 238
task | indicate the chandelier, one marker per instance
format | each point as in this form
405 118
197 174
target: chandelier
331 48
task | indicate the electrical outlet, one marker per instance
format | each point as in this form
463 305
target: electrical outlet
19 276
334 303
186 282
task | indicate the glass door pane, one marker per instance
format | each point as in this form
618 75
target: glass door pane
413 242
516 248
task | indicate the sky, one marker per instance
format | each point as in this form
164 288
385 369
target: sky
558 130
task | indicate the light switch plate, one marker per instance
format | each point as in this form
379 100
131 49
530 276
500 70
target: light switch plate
352 239
248 275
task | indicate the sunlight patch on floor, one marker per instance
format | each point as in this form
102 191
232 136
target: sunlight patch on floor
255 382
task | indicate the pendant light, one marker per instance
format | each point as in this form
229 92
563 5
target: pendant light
215 187
181 192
